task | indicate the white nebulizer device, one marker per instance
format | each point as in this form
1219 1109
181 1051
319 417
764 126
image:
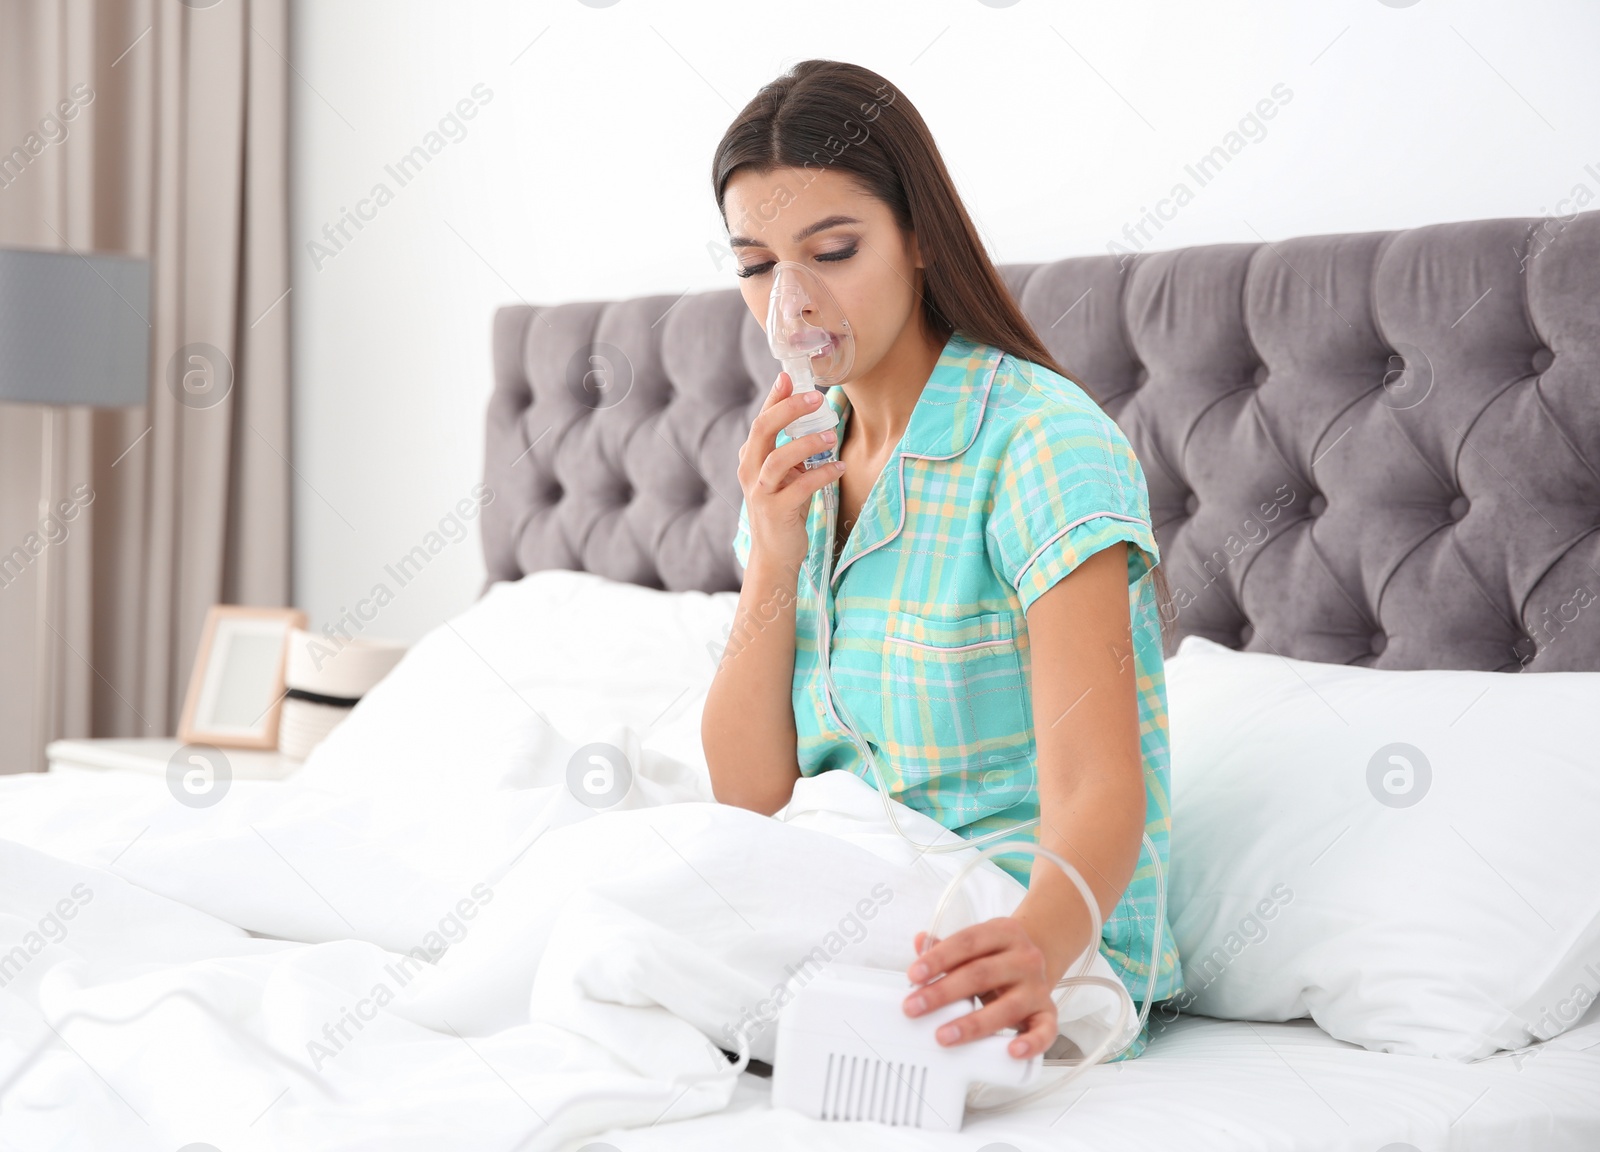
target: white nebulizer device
807 331
845 1049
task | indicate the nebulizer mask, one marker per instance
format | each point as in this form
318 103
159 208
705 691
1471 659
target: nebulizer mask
810 335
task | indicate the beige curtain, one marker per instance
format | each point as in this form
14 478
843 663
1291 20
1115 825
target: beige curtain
155 128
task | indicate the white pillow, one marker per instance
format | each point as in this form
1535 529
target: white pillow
602 661
1408 857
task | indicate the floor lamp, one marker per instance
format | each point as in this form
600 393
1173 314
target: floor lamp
74 329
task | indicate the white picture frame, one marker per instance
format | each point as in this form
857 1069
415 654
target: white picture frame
236 687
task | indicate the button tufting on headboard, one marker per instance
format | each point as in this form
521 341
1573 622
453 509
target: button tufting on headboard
1329 400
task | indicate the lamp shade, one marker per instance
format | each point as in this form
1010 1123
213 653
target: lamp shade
74 329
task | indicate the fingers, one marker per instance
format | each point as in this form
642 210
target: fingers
784 411
1036 1034
780 409
784 462
1000 970
980 939
1017 1008
759 442
997 962
804 482
1036 1029
781 387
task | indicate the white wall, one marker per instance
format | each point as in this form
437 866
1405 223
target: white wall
586 176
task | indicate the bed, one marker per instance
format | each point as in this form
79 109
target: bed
1374 467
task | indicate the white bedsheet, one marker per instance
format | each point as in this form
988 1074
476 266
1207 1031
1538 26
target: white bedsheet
1227 1086
237 976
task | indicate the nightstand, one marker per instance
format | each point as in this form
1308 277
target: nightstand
151 756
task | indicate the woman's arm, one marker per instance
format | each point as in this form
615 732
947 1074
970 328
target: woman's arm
747 728
1090 770
1091 808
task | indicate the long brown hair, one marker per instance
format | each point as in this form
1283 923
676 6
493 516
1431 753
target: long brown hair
827 114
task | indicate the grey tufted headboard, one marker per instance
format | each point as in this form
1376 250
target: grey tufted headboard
1380 448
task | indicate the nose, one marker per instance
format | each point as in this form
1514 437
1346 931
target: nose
796 303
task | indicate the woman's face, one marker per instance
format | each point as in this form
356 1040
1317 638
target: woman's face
850 239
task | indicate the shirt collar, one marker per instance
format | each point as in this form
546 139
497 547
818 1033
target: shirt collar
945 420
943 425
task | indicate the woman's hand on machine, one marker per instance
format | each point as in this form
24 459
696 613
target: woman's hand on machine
777 485
1001 964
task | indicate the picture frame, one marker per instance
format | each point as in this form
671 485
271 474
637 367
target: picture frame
236 686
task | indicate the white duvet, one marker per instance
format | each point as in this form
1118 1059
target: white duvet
295 967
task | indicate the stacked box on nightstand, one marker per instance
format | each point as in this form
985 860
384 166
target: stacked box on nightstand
325 678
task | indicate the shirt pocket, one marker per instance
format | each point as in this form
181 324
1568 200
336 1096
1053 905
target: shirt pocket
955 705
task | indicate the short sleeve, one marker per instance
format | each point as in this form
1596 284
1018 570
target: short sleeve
741 537
1068 485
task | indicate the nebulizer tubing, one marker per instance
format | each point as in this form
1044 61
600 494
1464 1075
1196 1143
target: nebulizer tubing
808 332
987 849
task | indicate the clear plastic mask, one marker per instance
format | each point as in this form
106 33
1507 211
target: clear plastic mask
806 328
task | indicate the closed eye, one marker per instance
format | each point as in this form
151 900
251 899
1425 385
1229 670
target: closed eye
763 268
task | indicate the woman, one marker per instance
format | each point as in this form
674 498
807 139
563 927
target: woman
996 632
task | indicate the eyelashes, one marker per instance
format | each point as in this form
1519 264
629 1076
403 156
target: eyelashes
762 269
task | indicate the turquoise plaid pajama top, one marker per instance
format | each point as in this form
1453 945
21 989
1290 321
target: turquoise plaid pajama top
1007 477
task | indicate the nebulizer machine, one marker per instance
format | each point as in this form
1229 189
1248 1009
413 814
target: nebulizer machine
845 1048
